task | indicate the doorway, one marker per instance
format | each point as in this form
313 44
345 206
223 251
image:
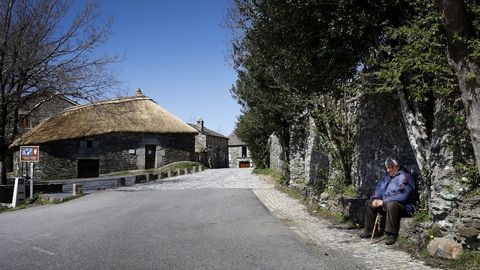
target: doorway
88 168
244 164
150 153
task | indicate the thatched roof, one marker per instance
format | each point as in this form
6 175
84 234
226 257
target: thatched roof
134 114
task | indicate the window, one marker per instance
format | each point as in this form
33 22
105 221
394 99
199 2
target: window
89 144
24 121
244 151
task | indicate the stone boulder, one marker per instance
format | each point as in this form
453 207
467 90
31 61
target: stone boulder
444 248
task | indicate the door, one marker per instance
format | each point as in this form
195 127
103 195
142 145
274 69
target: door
88 168
150 151
244 164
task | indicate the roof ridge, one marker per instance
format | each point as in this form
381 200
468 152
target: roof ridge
108 101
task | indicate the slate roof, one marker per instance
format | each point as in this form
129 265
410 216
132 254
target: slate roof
233 140
133 114
207 131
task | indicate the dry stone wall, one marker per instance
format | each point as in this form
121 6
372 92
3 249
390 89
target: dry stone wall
115 152
379 134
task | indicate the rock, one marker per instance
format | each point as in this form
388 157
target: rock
324 196
444 248
449 196
468 232
470 236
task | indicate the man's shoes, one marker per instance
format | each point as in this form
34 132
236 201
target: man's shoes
365 235
369 235
391 239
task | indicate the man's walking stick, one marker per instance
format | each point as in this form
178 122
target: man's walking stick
377 220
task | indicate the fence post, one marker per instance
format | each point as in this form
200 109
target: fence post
77 189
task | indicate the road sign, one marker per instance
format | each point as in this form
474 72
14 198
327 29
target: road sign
29 153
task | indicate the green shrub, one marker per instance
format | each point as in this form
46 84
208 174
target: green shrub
421 216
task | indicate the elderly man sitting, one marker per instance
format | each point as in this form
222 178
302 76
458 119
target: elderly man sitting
394 198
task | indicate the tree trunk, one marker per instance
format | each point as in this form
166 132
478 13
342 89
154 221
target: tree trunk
417 134
459 29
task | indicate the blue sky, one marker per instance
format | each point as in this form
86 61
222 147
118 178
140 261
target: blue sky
176 52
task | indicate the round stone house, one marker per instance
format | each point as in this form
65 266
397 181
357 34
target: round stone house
116 135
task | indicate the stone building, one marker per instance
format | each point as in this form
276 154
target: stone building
36 107
114 135
39 108
238 153
211 148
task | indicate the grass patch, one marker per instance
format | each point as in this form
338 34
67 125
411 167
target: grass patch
341 190
312 207
469 260
335 217
407 245
180 165
36 200
421 216
277 176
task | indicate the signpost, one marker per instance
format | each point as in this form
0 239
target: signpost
30 155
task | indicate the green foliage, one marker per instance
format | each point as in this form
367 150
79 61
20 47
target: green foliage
288 53
178 165
421 216
467 174
277 176
412 55
255 130
332 216
433 232
340 189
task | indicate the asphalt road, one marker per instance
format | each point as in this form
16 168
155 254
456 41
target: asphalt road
179 224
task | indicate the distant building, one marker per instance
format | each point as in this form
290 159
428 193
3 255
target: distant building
114 135
211 148
238 152
36 108
40 107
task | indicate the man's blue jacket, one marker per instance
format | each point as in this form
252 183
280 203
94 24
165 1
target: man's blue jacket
401 188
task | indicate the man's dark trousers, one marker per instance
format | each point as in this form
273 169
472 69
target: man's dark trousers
392 213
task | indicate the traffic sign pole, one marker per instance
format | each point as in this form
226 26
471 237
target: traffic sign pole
31 180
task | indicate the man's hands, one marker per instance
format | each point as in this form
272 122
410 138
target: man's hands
377 203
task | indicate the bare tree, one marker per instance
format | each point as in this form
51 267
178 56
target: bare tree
43 47
460 31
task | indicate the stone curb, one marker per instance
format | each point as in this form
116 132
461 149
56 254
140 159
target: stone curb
375 256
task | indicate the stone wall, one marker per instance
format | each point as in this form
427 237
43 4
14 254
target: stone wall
40 111
235 156
308 160
211 151
379 133
36 110
115 152
276 151
219 157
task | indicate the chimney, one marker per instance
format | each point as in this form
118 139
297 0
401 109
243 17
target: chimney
200 124
139 93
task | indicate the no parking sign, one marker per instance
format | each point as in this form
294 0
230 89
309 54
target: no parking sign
29 153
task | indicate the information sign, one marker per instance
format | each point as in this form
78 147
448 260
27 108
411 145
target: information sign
29 153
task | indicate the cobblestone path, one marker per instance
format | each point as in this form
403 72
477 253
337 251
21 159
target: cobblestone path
375 256
311 229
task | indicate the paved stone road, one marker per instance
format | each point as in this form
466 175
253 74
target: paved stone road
311 229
